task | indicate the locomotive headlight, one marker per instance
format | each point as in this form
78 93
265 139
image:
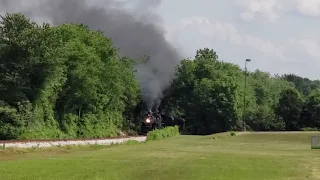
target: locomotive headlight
148 120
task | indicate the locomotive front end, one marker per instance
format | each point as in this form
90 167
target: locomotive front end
147 124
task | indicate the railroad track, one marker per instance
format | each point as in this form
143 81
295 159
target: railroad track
62 142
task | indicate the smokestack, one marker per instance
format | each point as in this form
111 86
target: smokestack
136 31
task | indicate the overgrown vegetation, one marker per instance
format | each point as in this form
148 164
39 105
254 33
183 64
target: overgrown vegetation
65 81
69 81
166 132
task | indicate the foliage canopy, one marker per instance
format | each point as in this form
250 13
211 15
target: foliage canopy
70 81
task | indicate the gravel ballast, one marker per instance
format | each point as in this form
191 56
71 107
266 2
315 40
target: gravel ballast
45 144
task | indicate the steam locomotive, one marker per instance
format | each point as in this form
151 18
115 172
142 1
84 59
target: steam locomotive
155 120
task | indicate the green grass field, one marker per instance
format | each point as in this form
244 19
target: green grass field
247 156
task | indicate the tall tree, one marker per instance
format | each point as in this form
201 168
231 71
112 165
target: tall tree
289 108
311 113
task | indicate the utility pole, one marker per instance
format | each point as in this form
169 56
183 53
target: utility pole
244 95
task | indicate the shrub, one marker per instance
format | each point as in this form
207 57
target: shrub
233 133
163 133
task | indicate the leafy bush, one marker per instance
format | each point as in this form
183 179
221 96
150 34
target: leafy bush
233 133
163 133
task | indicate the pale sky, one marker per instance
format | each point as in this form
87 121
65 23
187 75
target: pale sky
280 36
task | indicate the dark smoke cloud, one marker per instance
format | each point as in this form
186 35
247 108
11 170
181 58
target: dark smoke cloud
131 24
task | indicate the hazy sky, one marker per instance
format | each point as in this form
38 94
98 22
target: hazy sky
280 36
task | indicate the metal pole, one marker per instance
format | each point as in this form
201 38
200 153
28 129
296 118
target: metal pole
244 95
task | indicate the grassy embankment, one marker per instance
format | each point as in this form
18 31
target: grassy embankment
247 156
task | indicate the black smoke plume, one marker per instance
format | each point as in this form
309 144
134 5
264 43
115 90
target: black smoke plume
131 24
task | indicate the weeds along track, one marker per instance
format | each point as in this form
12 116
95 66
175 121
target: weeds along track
63 142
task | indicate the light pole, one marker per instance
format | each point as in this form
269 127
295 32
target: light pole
244 95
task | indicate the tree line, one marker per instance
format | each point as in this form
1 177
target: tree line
209 93
69 81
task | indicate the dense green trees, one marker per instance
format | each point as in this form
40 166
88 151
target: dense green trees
55 81
69 81
209 94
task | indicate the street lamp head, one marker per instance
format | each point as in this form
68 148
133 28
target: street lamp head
248 60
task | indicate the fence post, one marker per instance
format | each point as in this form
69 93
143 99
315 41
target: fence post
4 146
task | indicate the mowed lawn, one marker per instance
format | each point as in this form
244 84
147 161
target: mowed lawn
247 156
